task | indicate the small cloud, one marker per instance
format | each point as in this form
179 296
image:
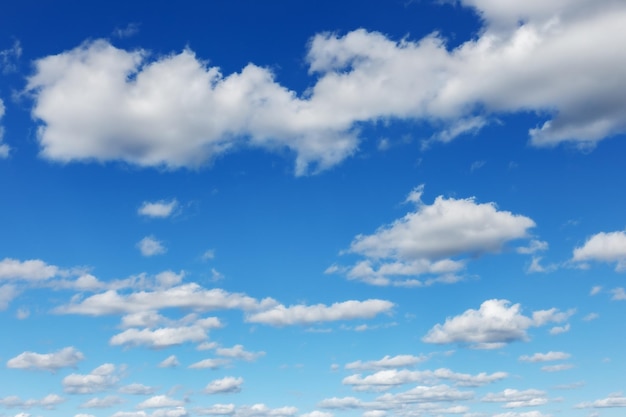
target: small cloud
126 32
216 275
208 255
9 57
619 294
158 209
477 165
533 246
22 313
227 385
557 368
169 362
595 290
560 329
149 246
384 144
591 316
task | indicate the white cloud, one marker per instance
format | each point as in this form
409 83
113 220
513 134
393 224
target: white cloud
176 111
256 410
387 362
158 209
172 412
191 296
169 362
4 148
514 398
150 246
159 338
302 314
496 323
8 292
100 379
533 413
238 352
425 394
137 389
159 401
545 357
387 379
49 402
30 270
619 294
209 364
9 61
612 401
604 247
66 357
591 317
226 385
105 402
423 241
344 403
595 290
533 247
560 329
557 368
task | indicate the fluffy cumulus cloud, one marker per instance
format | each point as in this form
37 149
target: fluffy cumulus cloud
604 247
160 338
169 362
176 111
100 379
30 270
158 209
226 385
495 324
238 352
66 357
302 314
160 401
425 240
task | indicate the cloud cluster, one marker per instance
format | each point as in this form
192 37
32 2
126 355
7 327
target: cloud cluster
176 111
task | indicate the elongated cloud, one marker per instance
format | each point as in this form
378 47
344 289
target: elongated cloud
158 209
66 357
176 111
302 314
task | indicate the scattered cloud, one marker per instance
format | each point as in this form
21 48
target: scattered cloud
4 148
169 362
545 357
604 247
423 241
591 317
126 32
100 379
150 246
557 368
158 209
238 352
619 294
65 358
513 398
301 314
30 270
49 402
160 338
616 400
105 402
137 389
211 363
226 385
9 60
495 324
387 362
160 401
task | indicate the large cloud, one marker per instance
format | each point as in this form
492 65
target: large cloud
176 111
495 324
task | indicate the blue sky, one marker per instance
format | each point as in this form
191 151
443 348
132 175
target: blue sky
276 209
